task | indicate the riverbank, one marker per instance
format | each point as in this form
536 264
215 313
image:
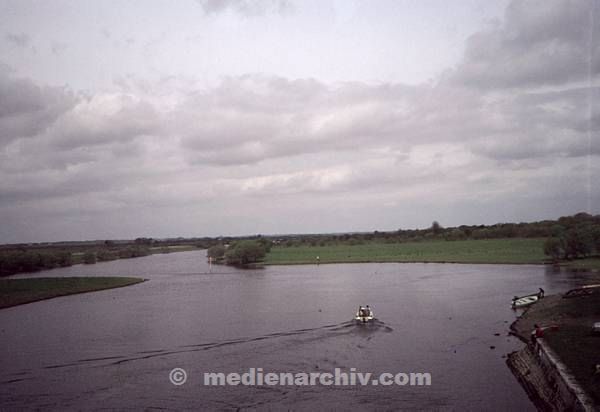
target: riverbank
15 292
564 362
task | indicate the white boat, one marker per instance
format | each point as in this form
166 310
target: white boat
524 301
364 315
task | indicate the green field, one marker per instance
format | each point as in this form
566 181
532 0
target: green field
19 291
519 251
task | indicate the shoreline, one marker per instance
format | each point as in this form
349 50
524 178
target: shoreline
292 263
563 265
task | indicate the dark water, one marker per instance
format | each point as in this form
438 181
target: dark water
115 349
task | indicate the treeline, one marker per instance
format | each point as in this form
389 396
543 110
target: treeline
103 255
540 229
32 260
20 258
82 246
574 237
19 261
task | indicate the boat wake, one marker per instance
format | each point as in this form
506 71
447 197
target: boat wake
294 337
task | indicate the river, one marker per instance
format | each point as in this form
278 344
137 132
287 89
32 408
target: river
116 348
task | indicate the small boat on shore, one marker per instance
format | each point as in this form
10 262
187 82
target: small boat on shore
519 302
364 315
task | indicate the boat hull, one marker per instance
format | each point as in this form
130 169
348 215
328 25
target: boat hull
363 319
525 301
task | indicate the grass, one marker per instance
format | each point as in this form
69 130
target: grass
20 291
172 248
518 251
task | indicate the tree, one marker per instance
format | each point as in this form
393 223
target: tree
436 228
596 238
552 248
267 244
216 252
578 241
245 252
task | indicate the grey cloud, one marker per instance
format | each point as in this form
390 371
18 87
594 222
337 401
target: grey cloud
542 42
104 174
257 119
252 119
27 109
544 125
573 108
103 120
30 188
359 177
18 39
58 48
246 8
476 136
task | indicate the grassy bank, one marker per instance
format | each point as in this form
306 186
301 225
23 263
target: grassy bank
19 291
519 251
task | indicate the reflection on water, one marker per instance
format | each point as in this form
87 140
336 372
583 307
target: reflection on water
115 348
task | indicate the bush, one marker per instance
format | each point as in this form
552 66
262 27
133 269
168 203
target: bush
132 252
578 242
18 261
436 228
574 242
216 252
105 255
552 248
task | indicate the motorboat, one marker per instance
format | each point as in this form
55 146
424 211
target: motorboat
364 315
519 302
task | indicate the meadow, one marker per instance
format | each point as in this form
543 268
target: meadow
517 251
20 291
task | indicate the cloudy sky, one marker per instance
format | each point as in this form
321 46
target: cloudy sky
121 119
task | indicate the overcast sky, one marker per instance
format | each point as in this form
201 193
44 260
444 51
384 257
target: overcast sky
121 119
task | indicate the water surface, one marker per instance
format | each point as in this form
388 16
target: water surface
115 348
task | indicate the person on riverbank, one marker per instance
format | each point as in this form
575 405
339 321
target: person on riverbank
537 332
541 293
